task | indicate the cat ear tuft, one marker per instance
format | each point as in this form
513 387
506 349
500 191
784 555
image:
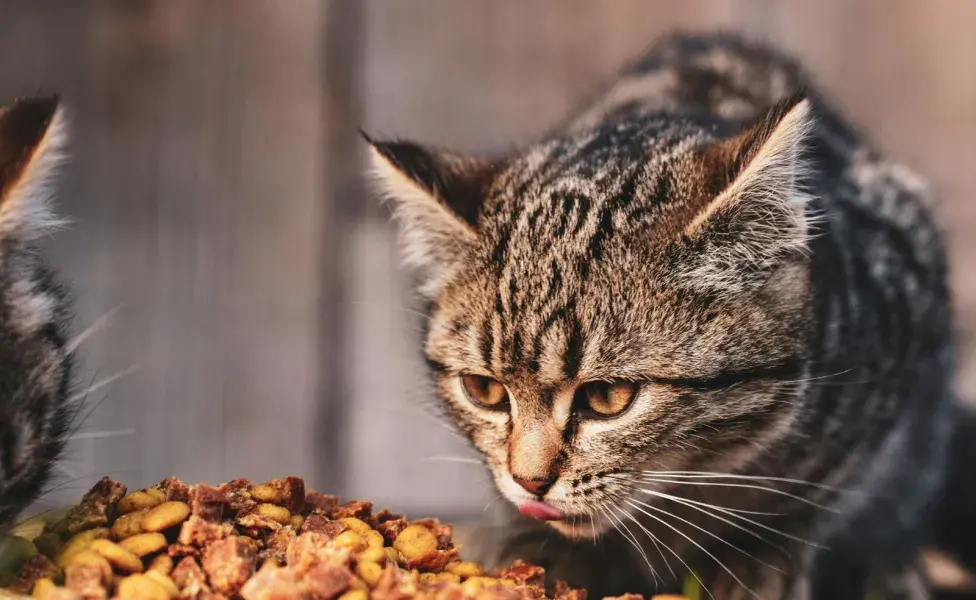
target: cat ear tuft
436 197
33 140
760 202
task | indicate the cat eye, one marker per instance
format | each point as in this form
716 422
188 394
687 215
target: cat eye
601 399
485 391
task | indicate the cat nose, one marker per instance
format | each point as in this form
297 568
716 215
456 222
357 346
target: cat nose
537 487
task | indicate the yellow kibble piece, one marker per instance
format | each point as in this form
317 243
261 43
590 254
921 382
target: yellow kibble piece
162 563
509 583
374 539
265 493
166 515
129 524
376 555
120 558
141 587
79 543
140 500
43 587
370 572
349 539
464 569
473 585
276 513
416 541
392 555
297 521
436 577
357 525
355 595
144 543
88 557
165 582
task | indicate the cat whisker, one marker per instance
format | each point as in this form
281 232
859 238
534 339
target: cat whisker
490 502
731 513
707 532
100 384
654 540
629 536
95 327
697 545
716 475
739 485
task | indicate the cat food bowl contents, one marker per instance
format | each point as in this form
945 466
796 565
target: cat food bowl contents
274 540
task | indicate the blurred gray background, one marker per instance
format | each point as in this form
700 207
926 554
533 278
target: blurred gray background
218 209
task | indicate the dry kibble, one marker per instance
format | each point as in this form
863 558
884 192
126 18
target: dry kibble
370 572
129 524
120 558
349 539
139 501
266 494
376 555
164 581
464 569
257 542
416 541
374 539
162 563
144 543
357 525
141 587
166 515
79 543
355 595
88 557
274 512
43 587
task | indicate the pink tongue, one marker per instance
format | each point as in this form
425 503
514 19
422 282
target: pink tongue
540 511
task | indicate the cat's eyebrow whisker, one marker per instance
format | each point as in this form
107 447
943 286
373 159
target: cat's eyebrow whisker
707 532
740 485
734 515
697 545
629 536
654 539
716 475
95 327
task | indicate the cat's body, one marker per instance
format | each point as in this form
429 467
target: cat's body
770 294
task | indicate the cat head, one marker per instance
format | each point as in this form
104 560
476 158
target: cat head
34 363
635 296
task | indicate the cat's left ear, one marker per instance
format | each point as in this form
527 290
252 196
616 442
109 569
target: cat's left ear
757 205
437 198
33 138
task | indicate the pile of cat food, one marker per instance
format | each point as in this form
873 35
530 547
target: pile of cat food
268 541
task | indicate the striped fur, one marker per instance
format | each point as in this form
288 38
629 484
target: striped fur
710 228
35 365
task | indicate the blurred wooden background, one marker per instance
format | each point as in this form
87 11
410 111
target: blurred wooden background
216 199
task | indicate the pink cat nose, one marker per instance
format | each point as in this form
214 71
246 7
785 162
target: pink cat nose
536 487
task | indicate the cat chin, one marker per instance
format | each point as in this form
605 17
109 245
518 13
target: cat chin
582 528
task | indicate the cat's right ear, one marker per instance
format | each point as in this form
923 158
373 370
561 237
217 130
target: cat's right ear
436 197
33 138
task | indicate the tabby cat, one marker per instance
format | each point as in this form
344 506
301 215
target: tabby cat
702 329
35 361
